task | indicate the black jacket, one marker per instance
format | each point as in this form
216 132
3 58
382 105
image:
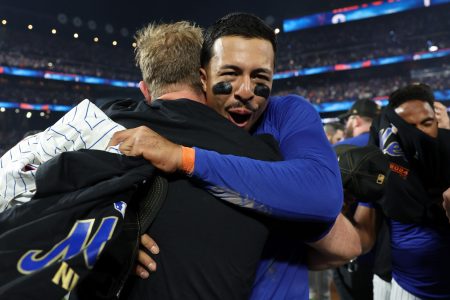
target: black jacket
79 212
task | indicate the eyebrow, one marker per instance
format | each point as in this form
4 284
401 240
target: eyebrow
258 70
262 70
230 67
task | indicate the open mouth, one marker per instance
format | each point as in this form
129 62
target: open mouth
239 117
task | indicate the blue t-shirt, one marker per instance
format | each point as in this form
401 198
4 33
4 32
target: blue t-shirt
306 186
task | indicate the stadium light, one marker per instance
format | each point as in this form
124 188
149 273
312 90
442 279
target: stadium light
4 22
53 31
114 43
2 109
75 35
29 114
134 45
277 30
433 48
96 39
30 27
42 114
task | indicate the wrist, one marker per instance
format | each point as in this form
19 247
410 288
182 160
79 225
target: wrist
187 160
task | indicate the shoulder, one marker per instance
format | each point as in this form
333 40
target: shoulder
289 102
290 108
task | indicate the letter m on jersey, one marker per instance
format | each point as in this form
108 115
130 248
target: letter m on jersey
79 240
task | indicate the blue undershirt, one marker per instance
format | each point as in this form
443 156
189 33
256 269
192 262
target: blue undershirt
306 186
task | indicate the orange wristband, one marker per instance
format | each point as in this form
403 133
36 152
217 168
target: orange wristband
187 159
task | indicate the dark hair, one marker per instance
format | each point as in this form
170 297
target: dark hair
236 24
415 91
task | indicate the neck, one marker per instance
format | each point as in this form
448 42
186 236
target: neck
183 92
361 129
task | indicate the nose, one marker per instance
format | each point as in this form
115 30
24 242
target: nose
245 92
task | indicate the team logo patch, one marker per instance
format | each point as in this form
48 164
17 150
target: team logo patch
388 143
81 240
120 207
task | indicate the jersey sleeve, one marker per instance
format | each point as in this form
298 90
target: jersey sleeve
306 186
85 126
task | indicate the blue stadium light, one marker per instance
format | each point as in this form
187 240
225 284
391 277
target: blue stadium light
357 12
278 76
381 61
327 107
66 77
442 95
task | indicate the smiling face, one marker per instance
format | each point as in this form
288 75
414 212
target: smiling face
238 78
419 114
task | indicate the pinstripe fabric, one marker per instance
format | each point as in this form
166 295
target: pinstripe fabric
84 127
381 289
398 293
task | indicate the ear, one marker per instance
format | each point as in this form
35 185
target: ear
203 79
145 91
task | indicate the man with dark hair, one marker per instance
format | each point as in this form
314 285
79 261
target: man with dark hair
419 154
239 25
305 187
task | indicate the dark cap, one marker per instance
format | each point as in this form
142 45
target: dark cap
363 108
364 171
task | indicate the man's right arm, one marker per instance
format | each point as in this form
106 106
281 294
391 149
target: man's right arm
306 186
339 246
364 221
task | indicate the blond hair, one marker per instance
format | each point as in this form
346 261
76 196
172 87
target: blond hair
169 54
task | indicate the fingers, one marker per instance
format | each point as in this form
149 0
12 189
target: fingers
439 105
442 115
145 260
119 137
440 109
149 244
141 272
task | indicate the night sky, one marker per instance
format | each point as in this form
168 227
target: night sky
133 14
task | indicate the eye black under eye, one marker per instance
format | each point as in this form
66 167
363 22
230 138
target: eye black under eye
262 90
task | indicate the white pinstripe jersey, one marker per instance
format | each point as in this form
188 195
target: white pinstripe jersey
84 127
